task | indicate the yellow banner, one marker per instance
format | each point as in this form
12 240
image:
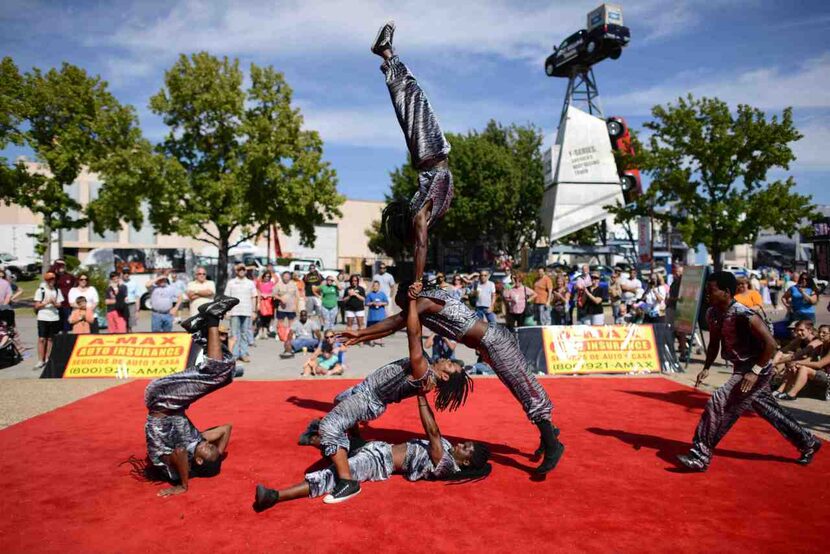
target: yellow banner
601 349
138 355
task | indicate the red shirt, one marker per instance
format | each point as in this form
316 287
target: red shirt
65 282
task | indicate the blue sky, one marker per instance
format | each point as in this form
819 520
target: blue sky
476 59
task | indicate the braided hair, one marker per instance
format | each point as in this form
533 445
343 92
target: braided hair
396 223
452 393
479 467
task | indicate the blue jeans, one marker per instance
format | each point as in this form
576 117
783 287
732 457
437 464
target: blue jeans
482 313
240 327
329 317
302 342
542 314
161 322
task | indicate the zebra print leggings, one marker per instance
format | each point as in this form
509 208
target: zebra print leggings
728 403
354 405
500 349
373 462
177 391
427 144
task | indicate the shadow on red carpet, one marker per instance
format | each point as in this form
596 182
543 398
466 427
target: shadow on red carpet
617 489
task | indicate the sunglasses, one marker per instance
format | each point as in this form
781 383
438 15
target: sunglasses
329 336
83 279
202 273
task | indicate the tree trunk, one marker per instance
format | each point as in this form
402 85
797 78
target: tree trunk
222 264
47 242
717 254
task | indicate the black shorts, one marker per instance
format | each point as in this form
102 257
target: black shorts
284 315
48 329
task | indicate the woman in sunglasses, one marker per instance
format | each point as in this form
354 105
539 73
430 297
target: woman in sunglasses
801 299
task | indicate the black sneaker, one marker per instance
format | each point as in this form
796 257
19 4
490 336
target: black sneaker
265 498
807 455
194 323
219 307
541 450
691 462
343 490
383 40
551 459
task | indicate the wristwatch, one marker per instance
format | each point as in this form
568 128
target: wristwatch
757 370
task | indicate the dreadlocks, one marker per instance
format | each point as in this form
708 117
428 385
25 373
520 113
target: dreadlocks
395 223
478 468
452 393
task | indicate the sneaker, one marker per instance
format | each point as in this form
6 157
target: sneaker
265 498
194 324
691 462
40 365
786 397
551 459
343 490
777 394
383 40
220 306
244 359
807 455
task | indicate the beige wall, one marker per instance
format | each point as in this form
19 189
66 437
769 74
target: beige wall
352 243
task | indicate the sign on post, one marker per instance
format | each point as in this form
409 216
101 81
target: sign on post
138 355
689 298
600 349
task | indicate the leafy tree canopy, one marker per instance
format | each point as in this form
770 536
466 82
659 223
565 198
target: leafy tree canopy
499 182
711 167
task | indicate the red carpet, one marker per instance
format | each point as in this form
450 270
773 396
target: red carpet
614 491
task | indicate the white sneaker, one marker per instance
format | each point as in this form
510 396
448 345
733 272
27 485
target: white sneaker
40 365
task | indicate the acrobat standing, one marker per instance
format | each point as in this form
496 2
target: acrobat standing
175 447
742 338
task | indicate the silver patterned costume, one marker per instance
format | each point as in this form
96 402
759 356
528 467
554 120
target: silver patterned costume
427 144
728 402
373 462
367 401
500 348
175 393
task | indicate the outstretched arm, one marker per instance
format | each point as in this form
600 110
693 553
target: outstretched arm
219 436
377 331
413 335
436 449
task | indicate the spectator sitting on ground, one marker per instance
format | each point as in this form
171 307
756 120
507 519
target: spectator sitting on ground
442 348
814 369
337 347
304 333
324 361
81 317
804 335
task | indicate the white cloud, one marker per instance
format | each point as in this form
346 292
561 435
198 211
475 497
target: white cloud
811 151
766 88
499 27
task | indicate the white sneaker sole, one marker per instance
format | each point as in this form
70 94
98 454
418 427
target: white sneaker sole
329 499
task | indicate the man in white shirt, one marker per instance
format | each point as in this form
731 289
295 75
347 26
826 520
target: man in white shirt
133 299
200 291
632 287
387 282
485 297
243 313
585 277
48 299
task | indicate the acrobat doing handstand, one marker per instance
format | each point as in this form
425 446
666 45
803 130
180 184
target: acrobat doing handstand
176 449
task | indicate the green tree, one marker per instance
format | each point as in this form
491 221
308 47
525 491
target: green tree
709 167
499 182
236 160
70 121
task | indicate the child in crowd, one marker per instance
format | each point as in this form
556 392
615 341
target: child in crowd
324 361
81 318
